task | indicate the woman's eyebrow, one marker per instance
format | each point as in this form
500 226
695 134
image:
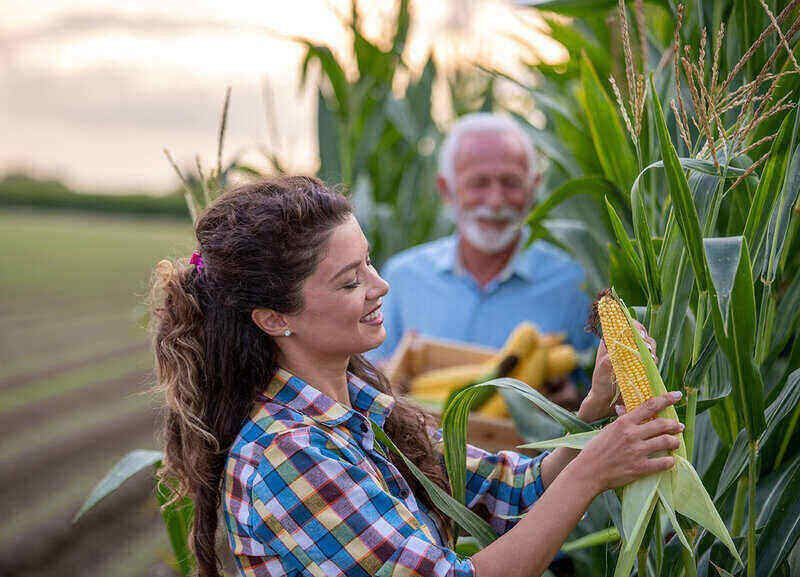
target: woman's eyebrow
350 266
344 269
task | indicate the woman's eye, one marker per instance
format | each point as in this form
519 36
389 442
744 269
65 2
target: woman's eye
354 284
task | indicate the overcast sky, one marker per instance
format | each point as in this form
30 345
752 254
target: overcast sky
91 91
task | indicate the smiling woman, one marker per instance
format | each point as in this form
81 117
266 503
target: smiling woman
272 410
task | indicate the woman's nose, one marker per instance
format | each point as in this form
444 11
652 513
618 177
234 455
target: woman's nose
379 287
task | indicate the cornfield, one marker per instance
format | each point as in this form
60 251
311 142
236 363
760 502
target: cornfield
679 125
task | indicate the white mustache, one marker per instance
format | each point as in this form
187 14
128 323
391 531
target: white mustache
504 214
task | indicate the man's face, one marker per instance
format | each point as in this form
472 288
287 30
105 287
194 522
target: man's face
493 191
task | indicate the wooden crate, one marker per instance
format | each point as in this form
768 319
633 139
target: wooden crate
418 353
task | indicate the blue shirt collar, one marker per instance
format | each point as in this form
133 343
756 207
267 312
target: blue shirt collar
295 393
447 260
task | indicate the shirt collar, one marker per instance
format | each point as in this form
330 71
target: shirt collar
447 259
295 393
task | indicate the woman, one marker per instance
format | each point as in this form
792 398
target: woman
258 345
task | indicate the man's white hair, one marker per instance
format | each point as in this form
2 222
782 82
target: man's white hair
481 122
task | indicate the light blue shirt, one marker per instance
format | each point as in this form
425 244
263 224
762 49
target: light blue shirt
430 292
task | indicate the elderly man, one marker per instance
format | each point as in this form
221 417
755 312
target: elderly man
478 284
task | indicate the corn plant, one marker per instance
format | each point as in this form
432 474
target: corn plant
700 215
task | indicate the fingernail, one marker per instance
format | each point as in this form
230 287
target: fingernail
619 409
682 426
676 395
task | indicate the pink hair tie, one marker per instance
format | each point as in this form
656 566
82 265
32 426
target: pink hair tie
197 260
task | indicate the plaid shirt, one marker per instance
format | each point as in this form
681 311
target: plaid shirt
307 491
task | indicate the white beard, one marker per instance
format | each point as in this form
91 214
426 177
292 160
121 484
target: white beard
487 240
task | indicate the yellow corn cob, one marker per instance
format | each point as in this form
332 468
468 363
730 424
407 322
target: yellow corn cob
561 360
624 354
495 407
520 342
437 383
533 368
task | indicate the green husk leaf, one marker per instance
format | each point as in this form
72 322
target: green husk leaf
635 499
627 555
691 500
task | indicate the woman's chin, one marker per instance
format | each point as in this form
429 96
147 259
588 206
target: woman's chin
374 341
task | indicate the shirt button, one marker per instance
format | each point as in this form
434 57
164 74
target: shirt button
364 427
404 494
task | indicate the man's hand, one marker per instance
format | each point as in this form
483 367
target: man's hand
563 392
598 404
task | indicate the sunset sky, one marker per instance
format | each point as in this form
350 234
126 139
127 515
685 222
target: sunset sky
92 91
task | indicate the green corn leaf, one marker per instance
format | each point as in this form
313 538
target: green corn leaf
787 317
610 142
456 416
685 209
576 441
735 464
780 516
177 518
722 256
769 186
691 500
595 186
778 229
624 277
465 518
646 251
328 140
126 468
577 8
332 70
737 340
628 253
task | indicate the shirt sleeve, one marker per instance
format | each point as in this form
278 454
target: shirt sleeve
578 309
318 513
500 487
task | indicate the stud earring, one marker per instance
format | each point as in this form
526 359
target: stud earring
287 332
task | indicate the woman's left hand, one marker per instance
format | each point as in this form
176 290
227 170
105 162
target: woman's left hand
599 403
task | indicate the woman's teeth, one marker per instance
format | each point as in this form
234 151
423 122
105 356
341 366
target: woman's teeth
371 316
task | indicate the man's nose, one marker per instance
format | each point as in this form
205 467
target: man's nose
494 196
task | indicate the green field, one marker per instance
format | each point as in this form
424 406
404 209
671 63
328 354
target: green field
74 361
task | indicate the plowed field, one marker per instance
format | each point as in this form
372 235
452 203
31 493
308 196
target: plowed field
74 367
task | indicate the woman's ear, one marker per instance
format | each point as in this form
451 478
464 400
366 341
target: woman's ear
271 322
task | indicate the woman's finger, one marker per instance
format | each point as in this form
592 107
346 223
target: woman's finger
660 426
654 405
661 443
656 464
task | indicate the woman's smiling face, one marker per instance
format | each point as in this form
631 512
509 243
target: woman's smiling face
341 300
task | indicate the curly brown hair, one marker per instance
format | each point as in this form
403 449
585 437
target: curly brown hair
259 243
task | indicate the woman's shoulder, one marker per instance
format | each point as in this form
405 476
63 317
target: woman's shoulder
274 433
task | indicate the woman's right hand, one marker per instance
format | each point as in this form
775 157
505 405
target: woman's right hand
623 450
